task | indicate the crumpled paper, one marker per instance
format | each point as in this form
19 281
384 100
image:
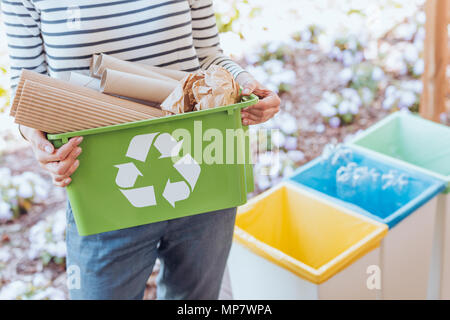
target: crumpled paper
204 89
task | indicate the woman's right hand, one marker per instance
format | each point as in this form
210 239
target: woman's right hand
60 163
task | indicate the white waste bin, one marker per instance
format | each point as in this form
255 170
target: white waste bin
422 145
409 213
291 244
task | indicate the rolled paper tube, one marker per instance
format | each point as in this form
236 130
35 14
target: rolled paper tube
134 86
87 92
108 62
174 74
84 81
92 66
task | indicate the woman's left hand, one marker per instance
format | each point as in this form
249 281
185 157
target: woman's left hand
266 108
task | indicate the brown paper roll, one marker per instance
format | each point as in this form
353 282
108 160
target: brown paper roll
174 74
108 62
135 86
84 81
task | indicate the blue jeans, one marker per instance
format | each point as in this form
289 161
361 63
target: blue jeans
117 264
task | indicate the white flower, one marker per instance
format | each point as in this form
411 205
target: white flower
272 87
407 99
377 74
345 75
263 182
287 123
406 31
273 66
288 171
411 54
334 122
330 97
25 190
49 293
57 249
5 177
39 280
391 91
266 159
344 107
11 193
367 96
352 95
41 192
259 73
13 290
419 67
278 138
353 108
285 76
413 85
395 63
47 236
290 143
320 128
275 170
421 17
389 102
5 211
325 109
336 53
5 255
59 225
306 35
348 58
296 155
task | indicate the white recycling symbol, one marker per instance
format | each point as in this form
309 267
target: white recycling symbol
173 192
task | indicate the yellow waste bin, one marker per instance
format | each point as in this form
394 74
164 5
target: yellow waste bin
290 243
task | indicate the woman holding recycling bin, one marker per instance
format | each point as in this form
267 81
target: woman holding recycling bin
57 37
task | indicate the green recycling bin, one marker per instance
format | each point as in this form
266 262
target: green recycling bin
160 169
425 146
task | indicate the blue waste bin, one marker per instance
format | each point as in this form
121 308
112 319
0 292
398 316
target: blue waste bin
409 214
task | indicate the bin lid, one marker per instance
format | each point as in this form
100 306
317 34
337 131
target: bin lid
383 206
411 140
305 233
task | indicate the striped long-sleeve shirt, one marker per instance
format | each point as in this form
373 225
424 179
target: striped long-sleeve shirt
55 37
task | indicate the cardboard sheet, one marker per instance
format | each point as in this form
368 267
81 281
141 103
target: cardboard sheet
56 111
83 91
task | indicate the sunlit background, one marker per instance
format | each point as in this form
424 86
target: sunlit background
338 65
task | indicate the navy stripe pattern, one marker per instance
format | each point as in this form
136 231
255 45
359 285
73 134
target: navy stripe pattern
55 37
